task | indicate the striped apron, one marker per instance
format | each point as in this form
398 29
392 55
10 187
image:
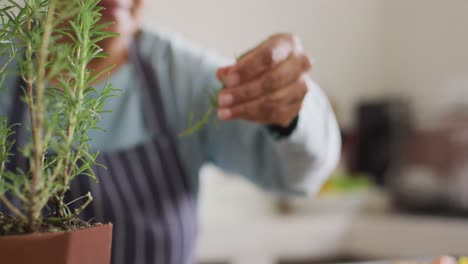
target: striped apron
144 191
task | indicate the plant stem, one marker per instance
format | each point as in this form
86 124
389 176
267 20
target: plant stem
29 80
82 54
12 208
3 162
37 125
82 207
10 60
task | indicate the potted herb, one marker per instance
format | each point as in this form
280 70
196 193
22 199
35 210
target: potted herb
50 43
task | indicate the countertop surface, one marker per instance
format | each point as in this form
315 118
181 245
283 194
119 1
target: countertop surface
359 225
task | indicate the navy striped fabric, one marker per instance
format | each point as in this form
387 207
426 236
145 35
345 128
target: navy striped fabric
145 191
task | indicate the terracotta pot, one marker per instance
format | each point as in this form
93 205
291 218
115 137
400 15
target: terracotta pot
86 246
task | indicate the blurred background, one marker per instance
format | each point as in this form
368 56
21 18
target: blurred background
396 72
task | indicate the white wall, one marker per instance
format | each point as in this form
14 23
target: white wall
344 37
363 48
426 53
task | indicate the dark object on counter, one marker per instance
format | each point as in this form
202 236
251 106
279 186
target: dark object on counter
382 128
433 177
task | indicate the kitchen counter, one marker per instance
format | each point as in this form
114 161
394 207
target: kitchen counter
359 225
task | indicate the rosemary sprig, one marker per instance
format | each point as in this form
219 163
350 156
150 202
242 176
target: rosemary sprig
205 118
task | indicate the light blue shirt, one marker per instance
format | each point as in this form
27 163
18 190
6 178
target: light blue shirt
298 164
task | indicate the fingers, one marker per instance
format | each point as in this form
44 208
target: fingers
264 58
267 84
269 114
279 107
222 72
286 73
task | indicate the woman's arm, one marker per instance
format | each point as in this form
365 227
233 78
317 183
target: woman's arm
270 85
297 164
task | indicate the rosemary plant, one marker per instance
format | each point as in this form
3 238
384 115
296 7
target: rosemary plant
51 42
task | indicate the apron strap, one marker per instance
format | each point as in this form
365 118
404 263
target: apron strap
154 112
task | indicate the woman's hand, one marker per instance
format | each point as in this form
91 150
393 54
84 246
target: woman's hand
268 84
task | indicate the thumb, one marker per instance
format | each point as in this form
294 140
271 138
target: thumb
222 72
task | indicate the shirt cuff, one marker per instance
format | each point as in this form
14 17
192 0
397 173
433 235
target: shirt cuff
279 132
